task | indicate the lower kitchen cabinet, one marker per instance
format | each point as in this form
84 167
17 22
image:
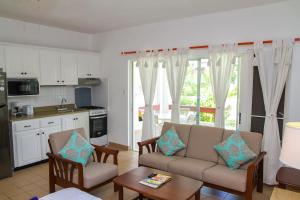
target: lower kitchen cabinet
30 137
28 149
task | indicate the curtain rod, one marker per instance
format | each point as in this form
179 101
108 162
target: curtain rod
205 46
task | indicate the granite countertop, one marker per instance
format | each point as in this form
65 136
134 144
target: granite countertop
47 111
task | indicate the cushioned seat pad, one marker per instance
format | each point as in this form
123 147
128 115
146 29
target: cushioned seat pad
156 160
222 176
95 173
189 167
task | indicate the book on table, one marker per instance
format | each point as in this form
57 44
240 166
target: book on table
155 180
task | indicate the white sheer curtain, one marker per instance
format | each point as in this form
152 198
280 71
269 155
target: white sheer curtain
273 65
148 64
221 59
176 63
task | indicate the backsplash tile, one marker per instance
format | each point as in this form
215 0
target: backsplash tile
49 95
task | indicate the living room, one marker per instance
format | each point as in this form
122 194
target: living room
156 88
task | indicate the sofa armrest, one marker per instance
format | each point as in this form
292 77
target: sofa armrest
64 169
106 152
149 144
255 172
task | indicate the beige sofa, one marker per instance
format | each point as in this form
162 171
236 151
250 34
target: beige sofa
200 161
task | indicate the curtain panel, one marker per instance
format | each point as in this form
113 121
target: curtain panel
221 60
148 65
273 66
176 63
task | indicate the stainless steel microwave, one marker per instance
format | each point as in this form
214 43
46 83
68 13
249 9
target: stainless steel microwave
21 87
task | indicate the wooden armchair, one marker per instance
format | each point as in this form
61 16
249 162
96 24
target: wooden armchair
67 173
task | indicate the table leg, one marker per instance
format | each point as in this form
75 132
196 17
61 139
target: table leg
197 195
121 196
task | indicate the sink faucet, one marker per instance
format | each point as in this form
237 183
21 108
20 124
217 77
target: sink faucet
63 100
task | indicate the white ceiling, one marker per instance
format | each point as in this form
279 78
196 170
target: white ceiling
94 16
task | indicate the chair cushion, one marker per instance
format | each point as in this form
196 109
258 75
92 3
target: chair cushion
190 167
156 160
202 141
77 149
95 173
169 143
183 131
253 140
235 151
223 176
59 139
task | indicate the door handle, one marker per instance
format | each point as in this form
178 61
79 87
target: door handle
97 117
50 122
27 126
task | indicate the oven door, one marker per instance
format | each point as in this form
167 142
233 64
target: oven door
98 126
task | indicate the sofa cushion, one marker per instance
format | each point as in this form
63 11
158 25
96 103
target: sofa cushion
156 160
183 131
95 173
169 143
253 140
190 167
202 141
223 176
235 151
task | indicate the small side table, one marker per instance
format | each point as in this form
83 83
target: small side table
287 176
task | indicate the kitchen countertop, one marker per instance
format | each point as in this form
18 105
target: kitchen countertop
47 111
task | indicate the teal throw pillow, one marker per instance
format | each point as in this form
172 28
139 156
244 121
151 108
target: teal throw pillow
77 149
169 143
235 151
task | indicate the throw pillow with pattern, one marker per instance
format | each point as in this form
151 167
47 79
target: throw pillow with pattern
234 151
169 143
77 149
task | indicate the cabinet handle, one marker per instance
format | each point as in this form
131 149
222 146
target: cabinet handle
50 122
58 81
63 81
27 126
25 73
43 133
22 73
37 134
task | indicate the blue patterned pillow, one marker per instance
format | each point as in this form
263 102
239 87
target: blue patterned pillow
235 151
77 149
169 143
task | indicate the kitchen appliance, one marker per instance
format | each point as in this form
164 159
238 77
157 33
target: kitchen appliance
21 87
16 108
6 155
89 81
98 125
27 110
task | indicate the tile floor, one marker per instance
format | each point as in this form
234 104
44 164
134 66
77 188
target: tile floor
33 181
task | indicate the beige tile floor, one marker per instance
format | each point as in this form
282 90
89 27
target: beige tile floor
33 181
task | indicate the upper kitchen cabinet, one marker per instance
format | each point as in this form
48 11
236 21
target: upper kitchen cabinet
50 67
88 65
69 69
22 62
58 68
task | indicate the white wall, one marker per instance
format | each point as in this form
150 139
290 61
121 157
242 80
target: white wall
27 33
281 20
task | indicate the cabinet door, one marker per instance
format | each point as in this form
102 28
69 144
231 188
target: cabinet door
30 60
82 121
50 67
14 65
83 65
28 147
45 132
68 122
69 69
94 66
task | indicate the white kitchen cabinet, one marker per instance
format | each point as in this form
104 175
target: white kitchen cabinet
28 147
58 68
69 69
45 132
78 120
50 67
22 62
88 65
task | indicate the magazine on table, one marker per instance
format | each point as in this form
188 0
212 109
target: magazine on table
155 180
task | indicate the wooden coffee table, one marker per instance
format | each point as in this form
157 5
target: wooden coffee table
179 188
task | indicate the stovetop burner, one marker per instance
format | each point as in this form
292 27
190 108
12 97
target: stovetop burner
92 107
